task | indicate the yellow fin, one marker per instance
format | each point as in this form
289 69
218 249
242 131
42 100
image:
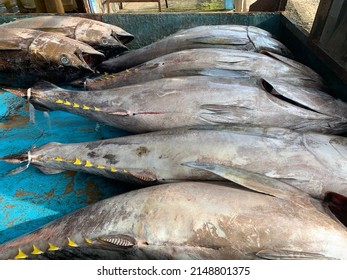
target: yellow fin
71 243
85 107
107 78
36 251
20 255
52 247
125 171
96 109
101 166
126 70
58 159
75 105
88 164
105 73
113 169
113 76
88 240
59 101
77 162
67 103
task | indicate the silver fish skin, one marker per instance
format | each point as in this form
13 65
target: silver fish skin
28 55
212 62
214 36
196 100
314 163
107 38
189 220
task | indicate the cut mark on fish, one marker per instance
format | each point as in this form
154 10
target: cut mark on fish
36 251
144 176
20 255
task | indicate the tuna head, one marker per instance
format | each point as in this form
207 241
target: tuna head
101 36
60 51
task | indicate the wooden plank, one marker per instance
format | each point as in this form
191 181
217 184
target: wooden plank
54 6
320 20
132 1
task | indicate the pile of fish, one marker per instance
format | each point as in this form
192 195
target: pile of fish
236 144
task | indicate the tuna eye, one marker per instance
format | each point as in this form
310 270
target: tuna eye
64 59
104 41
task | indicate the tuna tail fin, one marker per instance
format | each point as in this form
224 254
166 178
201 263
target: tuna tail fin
337 204
253 181
17 159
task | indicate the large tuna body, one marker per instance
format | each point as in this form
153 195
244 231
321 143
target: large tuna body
189 220
175 102
214 36
213 62
314 163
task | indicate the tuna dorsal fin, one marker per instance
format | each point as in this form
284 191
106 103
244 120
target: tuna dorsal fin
290 255
253 181
119 241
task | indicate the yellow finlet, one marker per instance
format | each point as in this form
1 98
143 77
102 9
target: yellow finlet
113 169
67 103
96 109
85 107
88 164
69 160
101 166
58 159
105 73
125 171
52 247
113 76
96 71
107 78
20 255
88 240
77 161
59 101
71 243
36 251
127 71
75 105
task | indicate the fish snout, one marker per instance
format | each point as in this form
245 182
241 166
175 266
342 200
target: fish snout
58 51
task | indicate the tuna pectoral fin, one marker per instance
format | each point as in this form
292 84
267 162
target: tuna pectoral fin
290 255
254 181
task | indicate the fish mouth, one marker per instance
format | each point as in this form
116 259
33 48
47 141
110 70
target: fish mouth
88 60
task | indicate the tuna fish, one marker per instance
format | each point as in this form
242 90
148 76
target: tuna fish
27 56
107 38
192 220
212 62
215 36
174 102
314 163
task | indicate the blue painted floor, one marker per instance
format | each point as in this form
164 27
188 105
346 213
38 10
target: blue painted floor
30 199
